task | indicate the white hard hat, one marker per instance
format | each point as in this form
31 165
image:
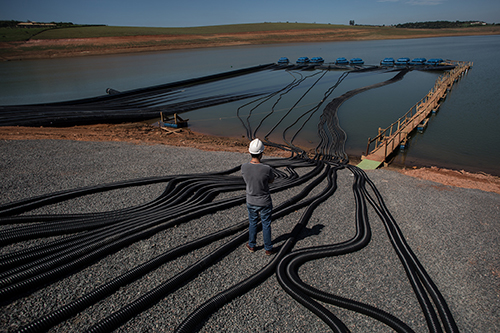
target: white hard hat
256 147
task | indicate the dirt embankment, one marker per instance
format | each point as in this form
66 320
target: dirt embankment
55 48
142 133
458 178
136 133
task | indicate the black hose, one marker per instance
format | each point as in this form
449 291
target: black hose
133 105
400 243
288 277
141 227
73 308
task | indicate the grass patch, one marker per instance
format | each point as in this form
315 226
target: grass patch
18 34
209 36
111 31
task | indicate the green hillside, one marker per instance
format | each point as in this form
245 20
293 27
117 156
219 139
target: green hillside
13 34
68 40
67 31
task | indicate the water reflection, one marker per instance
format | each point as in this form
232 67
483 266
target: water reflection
357 116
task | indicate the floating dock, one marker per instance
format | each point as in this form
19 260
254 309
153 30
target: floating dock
390 139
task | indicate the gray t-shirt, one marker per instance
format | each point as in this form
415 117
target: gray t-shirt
257 177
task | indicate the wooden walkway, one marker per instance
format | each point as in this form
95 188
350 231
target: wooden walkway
391 138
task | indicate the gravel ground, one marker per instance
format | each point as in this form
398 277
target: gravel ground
453 231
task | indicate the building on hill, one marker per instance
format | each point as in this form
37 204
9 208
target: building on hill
30 24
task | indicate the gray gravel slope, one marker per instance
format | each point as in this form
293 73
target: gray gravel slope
454 232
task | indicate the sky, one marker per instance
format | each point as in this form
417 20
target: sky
189 13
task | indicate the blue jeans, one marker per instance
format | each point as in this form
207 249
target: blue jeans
265 217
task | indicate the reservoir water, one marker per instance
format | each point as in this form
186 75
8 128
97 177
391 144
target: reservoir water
462 135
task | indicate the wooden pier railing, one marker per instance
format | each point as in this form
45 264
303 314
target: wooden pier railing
390 138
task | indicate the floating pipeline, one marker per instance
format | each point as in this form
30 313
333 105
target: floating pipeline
128 106
145 103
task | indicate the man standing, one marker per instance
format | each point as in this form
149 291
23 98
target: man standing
257 177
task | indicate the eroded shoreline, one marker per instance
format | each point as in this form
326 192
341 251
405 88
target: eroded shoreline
78 47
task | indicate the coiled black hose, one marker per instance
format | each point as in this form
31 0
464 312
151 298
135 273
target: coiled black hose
140 227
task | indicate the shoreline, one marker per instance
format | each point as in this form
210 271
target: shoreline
78 47
141 133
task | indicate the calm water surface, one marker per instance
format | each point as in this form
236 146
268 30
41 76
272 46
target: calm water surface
462 135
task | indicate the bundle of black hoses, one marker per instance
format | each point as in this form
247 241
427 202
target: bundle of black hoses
72 264
415 271
133 105
107 235
287 271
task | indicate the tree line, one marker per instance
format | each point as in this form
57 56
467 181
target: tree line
411 25
440 24
14 24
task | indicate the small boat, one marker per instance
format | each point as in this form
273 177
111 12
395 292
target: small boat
283 60
317 60
303 60
387 62
417 62
434 62
341 61
356 61
402 62
175 122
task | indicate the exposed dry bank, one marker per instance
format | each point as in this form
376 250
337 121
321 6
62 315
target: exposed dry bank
70 47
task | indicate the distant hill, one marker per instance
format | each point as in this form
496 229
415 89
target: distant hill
22 31
48 40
